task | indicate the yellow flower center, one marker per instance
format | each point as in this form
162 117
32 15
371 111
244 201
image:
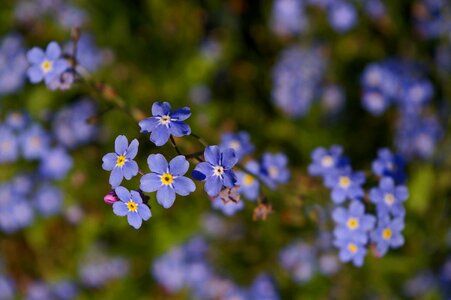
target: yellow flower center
165 120
344 182
46 66
218 171
389 199
167 179
273 172
327 161
387 233
352 248
132 206
120 160
352 223
248 179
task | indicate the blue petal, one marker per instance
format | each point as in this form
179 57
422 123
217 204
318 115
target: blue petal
160 108
229 158
181 114
149 124
120 144
338 195
160 135
109 161
122 193
178 165
132 149
130 169
136 197
183 185
213 185
387 183
401 193
356 208
120 208
166 196
229 179
53 51
59 66
134 220
202 171
213 155
150 182
339 215
144 212
116 177
157 163
178 129
35 56
35 74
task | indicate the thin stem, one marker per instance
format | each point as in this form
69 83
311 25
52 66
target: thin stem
199 139
175 145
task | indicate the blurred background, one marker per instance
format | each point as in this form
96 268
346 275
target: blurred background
293 74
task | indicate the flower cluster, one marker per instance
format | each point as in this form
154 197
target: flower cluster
403 84
431 18
13 64
355 229
217 169
186 267
32 192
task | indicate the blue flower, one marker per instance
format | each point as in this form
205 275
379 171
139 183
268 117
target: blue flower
132 206
55 163
351 250
389 198
121 162
229 208
167 179
7 288
35 142
216 170
375 102
325 161
390 165
298 259
17 120
345 184
387 234
249 185
263 288
288 17
48 65
48 200
165 122
8 145
13 63
88 55
342 16
239 142
353 223
274 169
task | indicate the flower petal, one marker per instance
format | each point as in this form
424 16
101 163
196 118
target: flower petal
229 159
148 124
116 176
202 171
122 193
150 182
130 169
109 161
53 51
213 155
178 128
35 74
183 185
178 165
132 149
161 108
160 135
157 163
229 179
181 114
166 196
120 208
134 219
144 212
120 145
213 185
136 197
35 55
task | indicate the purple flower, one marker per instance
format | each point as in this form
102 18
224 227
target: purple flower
274 169
388 234
165 122
121 162
132 206
345 184
48 65
167 179
327 160
389 197
216 171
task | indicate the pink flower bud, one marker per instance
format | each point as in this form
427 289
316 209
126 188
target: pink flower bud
110 198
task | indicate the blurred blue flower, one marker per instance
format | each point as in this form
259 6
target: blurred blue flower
229 208
274 169
7 288
353 223
288 17
389 164
326 161
132 206
38 291
351 250
121 162
48 65
342 16
35 142
387 234
98 270
389 197
263 288
333 99
88 55
375 102
298 259
249 185
48 200
165 122
239 142
17 120
216 171
345 184
56 163
64 290
8 145
167 179
13 64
